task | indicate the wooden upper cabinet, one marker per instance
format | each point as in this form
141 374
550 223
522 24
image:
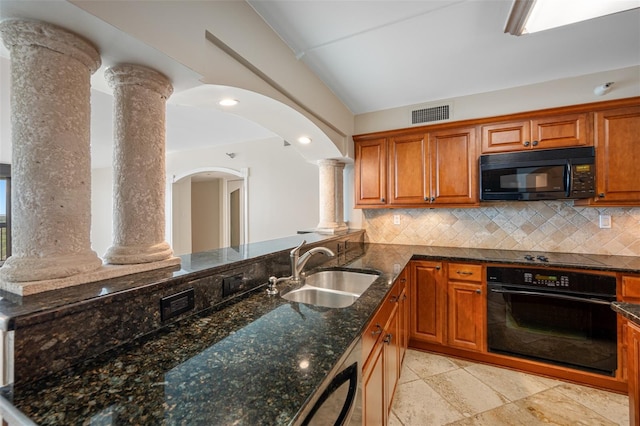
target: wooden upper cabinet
408 167
371 172
617 134
568 130
454 166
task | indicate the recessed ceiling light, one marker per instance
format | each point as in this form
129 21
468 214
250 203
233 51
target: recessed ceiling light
305 140
228 102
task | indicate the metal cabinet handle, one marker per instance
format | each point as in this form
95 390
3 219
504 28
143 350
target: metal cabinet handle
433 199
403 280
426 198
394 299
382 200
464 272
388 338
601 195
404 297
438 268
535 143
377 331
526 143
478 291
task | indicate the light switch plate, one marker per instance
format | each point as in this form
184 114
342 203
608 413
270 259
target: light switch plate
396 219
605 221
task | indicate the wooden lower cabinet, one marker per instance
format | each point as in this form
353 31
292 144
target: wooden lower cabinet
633 372
383 351
428 301
465 307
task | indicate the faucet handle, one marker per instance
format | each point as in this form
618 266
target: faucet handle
296 250
271 287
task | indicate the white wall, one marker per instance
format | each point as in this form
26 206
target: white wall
101 210
283 189
567 91
180 217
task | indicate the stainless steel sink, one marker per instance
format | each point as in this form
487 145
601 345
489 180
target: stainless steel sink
321 297
332 289
348 281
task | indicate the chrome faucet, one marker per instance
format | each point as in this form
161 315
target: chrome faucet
298 262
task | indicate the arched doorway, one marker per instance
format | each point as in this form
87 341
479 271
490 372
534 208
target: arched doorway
209 209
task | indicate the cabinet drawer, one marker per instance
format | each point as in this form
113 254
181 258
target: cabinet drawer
630 288
376 327
465 272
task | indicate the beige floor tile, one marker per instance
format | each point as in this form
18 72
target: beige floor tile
417 404
612 406
511 384
427 364
465 392
393 420
505 415
407 375
553 407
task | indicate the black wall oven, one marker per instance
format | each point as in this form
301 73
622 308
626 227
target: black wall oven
558 317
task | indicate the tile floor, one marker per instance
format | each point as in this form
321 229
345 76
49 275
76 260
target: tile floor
436 390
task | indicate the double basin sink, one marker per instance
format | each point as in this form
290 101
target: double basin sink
332 289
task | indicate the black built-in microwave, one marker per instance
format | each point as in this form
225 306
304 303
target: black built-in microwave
567 173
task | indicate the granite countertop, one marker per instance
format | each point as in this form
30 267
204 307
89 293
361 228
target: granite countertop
256 360
630 311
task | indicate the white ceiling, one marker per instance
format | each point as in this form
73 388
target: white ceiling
374 55
377 55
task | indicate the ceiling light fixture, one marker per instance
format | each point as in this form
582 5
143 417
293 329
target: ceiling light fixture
228 102
530 16
305 140
603 89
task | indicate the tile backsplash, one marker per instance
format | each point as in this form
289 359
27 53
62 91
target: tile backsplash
552 226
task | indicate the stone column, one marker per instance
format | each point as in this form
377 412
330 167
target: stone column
140 96
331 197
51 166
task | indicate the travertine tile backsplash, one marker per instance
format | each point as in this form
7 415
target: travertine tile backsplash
552 226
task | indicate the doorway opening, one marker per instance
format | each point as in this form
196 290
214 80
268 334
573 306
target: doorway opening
209 210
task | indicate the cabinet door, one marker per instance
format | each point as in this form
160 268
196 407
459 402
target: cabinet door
509 136
634 374
617 154
428 302
403 319
391 342
371 172
454 166
560 131
373 403
465 316
407 170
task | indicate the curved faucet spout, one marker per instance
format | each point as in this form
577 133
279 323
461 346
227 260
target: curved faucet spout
298 262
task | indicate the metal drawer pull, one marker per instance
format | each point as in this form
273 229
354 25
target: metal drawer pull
377 331
464 272
387 338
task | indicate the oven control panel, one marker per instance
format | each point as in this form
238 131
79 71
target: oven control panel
543 278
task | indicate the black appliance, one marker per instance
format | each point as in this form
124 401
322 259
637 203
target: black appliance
340 400
552 316
538 175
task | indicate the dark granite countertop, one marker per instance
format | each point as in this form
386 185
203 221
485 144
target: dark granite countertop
257 360
630 311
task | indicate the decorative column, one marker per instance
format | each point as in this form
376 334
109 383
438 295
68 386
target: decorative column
140 96
331 197
51 183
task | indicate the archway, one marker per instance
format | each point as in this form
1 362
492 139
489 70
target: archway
209 209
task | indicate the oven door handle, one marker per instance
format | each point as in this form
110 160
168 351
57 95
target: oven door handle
553 296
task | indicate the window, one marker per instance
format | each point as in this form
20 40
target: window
5 212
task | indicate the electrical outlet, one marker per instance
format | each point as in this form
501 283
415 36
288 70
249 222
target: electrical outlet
176 304
605 221
396 219
231 285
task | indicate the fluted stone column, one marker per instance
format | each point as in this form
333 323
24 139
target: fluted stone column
51 166
331 197
140 96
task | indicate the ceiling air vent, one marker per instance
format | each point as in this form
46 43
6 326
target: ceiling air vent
429 115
